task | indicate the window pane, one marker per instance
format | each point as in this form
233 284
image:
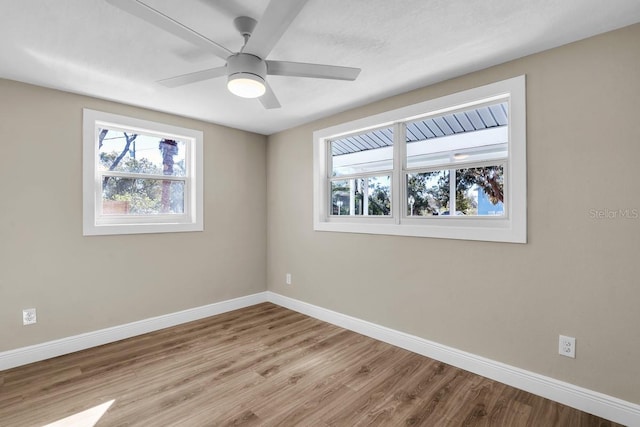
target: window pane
428 193
367 152
379 195
477 134
480 191
361 196
128 196
138 153
340 197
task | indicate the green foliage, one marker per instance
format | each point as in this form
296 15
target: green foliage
139 203
490 179
144 196
430 192
379 200
128 164
428 199
433 197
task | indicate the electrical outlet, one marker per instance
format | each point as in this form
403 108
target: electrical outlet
567 346
288 279
29 316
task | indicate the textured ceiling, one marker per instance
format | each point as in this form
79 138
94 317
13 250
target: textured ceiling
90 47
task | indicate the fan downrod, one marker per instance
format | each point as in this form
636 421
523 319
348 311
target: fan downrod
245 25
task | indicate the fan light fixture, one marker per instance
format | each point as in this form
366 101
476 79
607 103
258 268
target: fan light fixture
246 85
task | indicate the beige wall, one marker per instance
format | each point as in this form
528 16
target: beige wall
577 276
80 284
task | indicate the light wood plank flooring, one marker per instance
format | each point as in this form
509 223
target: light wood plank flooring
268 366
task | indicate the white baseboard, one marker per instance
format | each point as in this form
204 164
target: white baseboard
22 356
586 400
590 401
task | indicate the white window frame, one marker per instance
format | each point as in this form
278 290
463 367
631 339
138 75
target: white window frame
94 223
510 227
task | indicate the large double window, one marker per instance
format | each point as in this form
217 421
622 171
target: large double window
140 176
453 167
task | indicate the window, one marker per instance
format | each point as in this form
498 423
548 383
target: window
361 173
452 167
140 176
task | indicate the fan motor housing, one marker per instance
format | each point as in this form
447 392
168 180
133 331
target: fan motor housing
245 63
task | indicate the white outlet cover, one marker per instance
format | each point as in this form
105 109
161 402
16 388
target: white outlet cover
29 316
567 346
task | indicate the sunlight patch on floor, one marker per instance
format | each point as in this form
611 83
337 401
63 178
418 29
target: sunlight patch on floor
87 418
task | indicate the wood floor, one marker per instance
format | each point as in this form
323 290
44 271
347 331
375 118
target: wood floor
268 366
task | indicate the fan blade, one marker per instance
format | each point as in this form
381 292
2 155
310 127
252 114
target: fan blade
269 100
319 71
274 22
198 76
162 21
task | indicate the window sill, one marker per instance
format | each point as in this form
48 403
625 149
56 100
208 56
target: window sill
109 229
483 229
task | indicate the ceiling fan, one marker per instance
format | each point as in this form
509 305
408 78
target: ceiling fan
247 69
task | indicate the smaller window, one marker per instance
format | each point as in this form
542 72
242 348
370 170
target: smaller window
140 176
